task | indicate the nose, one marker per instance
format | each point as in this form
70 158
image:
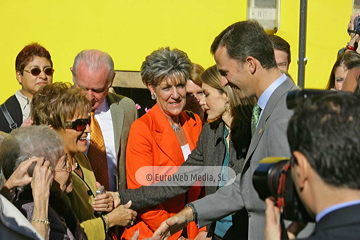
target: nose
174 92
88 129
202 100
42 75
224 81
89 94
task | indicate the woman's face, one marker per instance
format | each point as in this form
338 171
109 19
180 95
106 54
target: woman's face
213 101
30 83
75 141
170 96
62 182
340 75
194 93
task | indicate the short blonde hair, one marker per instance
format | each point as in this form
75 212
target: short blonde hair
55 103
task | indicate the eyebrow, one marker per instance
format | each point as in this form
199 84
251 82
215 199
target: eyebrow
222 72
92 89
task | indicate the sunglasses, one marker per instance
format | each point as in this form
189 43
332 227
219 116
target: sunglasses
36 71
78 124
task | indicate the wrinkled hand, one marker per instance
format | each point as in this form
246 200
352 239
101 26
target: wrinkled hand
174 224
42 180
20 176
27 122
122 216
272 227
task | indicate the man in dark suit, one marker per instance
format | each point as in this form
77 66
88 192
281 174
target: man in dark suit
245 58
324 136
93 70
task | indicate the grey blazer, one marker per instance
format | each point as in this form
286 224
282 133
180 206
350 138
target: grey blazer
269 140
123 114
209 151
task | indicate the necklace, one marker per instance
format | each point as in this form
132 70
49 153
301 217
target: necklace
175 128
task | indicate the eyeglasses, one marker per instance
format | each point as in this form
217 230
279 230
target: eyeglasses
78 124
36 71
67 166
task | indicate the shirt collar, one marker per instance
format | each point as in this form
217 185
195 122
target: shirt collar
265 96
335 207
103 107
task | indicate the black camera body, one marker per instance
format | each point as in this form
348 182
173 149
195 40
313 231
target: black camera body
357 25
273 178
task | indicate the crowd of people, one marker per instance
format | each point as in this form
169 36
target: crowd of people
77 163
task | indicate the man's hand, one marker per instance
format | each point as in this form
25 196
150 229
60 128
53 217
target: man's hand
174 224
272 227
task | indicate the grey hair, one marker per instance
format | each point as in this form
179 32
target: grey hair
165 63
94 59
28 141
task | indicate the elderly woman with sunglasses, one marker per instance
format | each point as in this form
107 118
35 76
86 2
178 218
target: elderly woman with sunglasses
57 218
67 110
34 69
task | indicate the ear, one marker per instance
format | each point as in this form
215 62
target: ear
302 168
251 63
112 80
18 76
150 87
226 97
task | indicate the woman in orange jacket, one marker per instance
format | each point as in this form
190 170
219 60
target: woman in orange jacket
162 137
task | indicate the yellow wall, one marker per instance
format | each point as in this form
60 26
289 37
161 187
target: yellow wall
130 29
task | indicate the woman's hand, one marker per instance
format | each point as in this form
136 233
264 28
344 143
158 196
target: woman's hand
122 216
42 179
40 184
104 202
20 176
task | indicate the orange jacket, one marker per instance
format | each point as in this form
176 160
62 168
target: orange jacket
152 142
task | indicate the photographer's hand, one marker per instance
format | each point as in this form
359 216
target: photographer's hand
272 227
353 36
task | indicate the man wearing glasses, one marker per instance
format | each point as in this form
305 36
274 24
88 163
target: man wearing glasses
111 116
34 69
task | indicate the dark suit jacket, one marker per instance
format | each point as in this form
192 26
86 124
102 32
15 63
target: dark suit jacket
13 106
269 140
123 114
340 224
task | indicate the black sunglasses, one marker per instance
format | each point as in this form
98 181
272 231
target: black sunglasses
78 124
36 71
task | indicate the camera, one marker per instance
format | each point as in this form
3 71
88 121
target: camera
273 178
356 26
